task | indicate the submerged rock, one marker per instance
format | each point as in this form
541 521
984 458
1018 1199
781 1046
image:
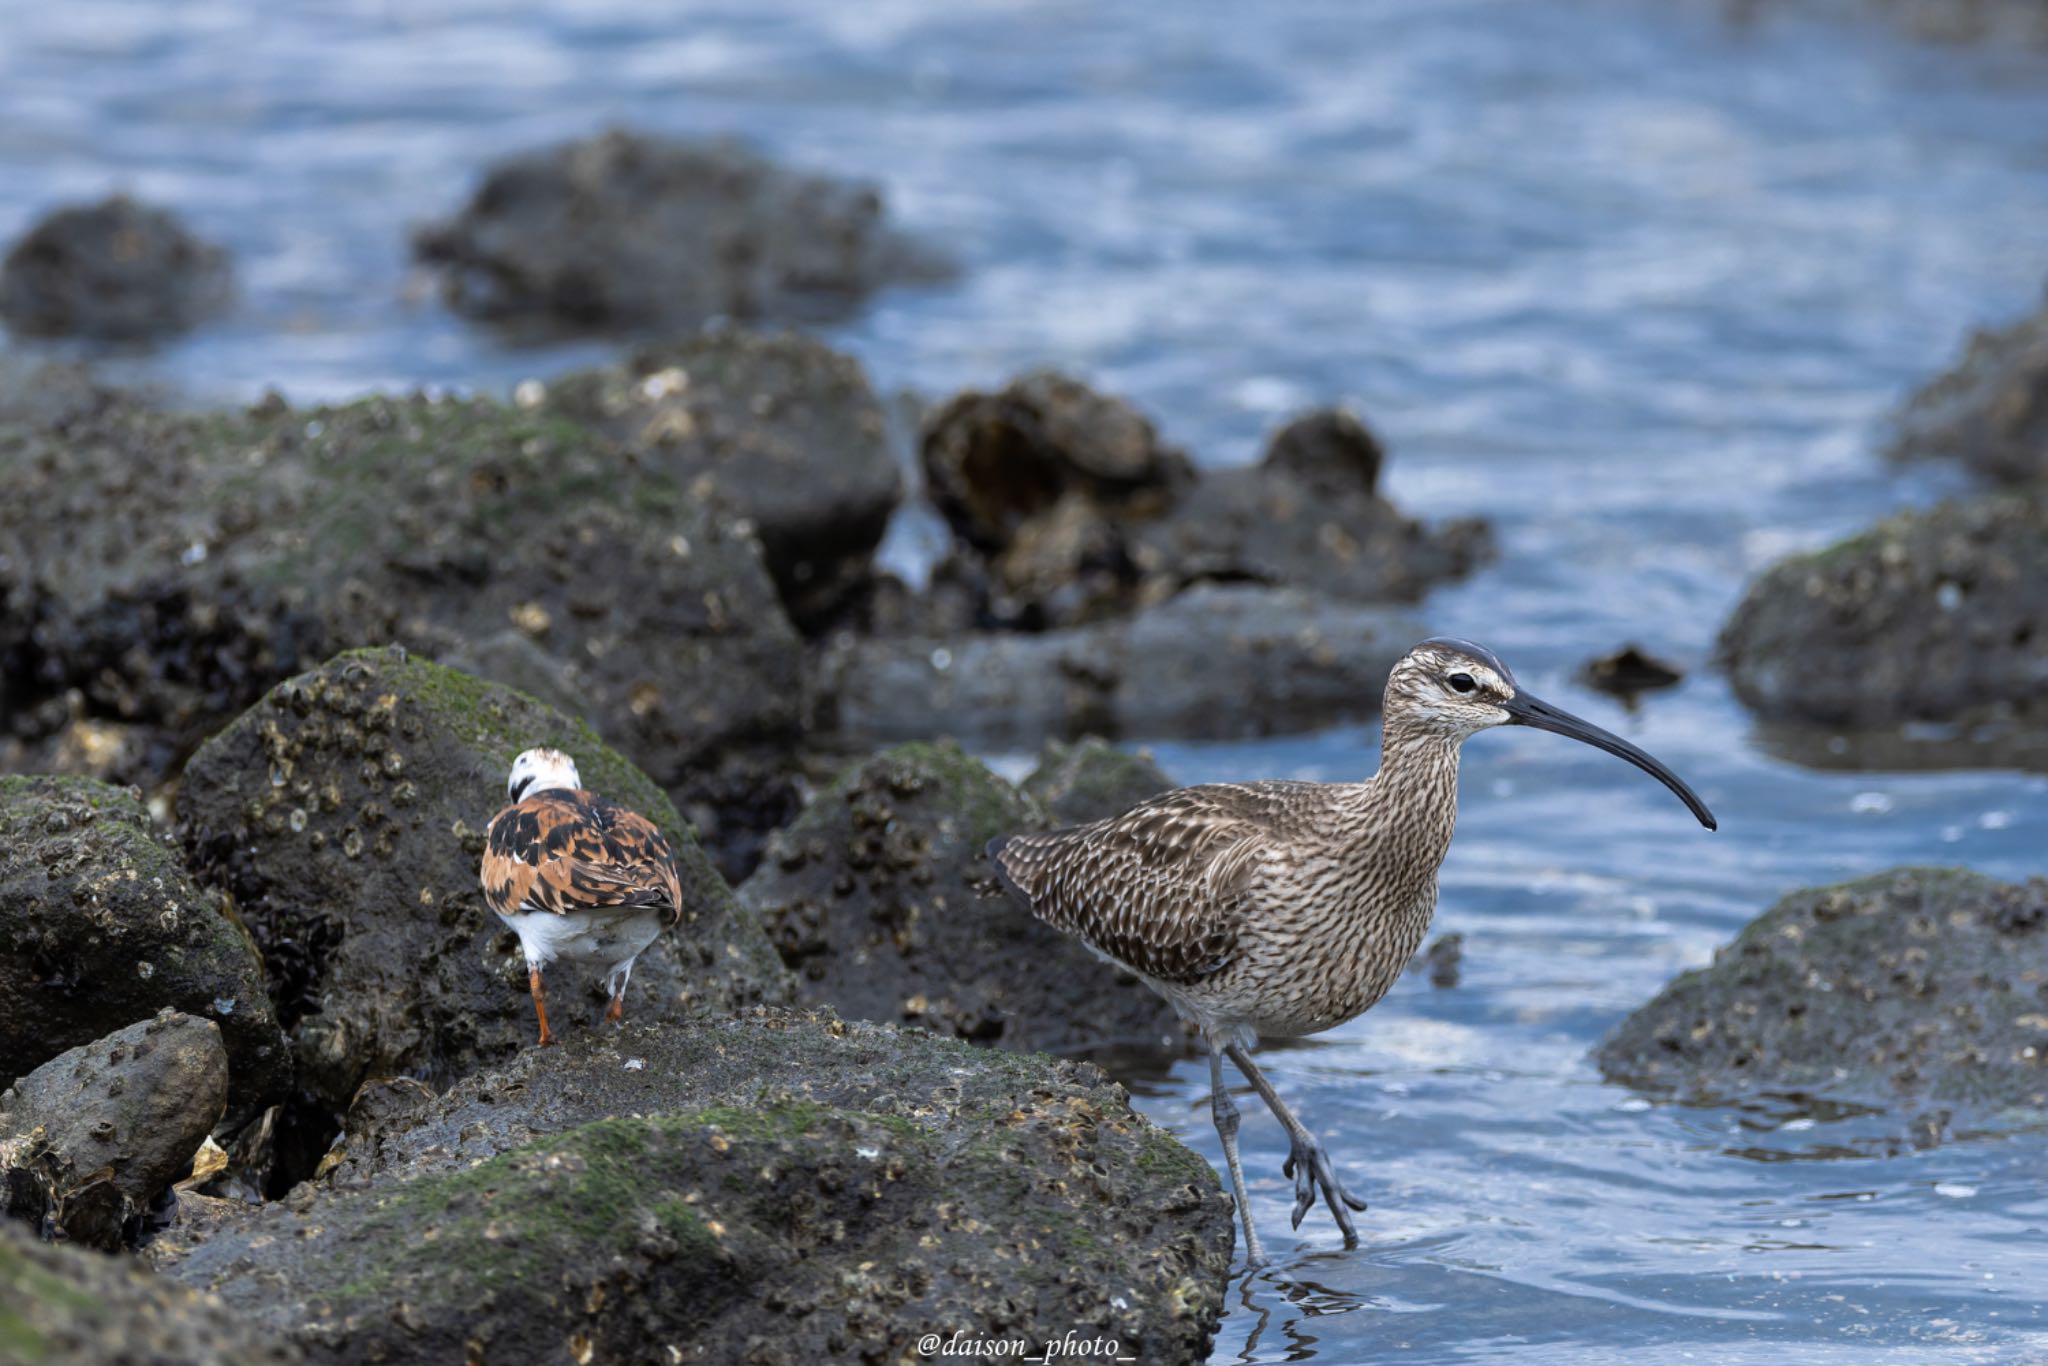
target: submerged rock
879 898
1990 409
346 811
1915 988
1630 671
1215 661
1092 780
170 568
1926 616
1068 509
62 1306
102 927
112 271
90 1140
624 230
790 1187
781 428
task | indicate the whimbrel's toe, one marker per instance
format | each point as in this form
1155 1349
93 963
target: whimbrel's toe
1309 1164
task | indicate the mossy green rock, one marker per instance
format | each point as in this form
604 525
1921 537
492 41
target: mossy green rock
61 1306
880 897
346 813
103 927
1915 988
776 1188
1930 615
183 564
1092 780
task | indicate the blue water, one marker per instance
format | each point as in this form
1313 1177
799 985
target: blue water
1637 280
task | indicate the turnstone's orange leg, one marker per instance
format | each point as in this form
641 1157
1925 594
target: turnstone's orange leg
540 1006
616 1011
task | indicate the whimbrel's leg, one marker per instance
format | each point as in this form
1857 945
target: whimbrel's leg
1307 1162
540 1005
1225 1111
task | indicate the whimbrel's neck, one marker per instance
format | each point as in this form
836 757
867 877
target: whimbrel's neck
1415 795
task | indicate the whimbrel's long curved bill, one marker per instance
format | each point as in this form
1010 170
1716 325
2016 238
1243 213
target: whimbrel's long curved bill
1524 710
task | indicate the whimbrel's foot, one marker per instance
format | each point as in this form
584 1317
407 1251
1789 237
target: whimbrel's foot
1309 1165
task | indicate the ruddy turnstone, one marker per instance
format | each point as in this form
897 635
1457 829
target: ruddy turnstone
576 876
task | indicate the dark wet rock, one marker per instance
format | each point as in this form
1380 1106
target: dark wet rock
781 428
1629 671
1916 988
1443 960
1929 615
92 1138
63 1306
880 899
1990 409
1215 661
169 568
993 463
789 1187
1069 509
1091 780
346 811
112 271
629 231
102 927
1329 449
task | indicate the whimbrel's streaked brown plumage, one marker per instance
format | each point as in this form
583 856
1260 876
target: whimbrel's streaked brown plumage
1286 908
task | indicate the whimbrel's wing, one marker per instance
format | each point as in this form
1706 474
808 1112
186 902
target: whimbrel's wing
1160 888
571 851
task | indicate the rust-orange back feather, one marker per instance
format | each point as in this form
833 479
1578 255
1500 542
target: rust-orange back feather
561 851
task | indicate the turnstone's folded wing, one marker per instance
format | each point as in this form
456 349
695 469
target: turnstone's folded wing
564 851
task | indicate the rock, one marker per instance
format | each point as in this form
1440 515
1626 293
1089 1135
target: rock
345 812
789 1187
1629 671
170 568
1443 960
1068 509
994 462
1329 449
1092 780
91 1139
881 901
628 231
1990 409
1916 987
112 271
62 1306
1215 661
1927 616
104 927
782 428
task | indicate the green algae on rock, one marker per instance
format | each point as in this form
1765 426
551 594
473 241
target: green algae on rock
346 810
1091 780
1914 988
63 1306
181 564
797 1188
880 899
104 927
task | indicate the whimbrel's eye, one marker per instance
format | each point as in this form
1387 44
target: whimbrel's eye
1461 682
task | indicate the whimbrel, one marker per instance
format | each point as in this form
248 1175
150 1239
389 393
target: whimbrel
1280 909
576 877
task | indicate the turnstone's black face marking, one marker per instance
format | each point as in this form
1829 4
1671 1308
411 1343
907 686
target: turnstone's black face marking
538 770
519 786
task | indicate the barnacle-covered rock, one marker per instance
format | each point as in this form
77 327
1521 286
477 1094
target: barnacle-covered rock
346 813
795 1188
113 271
103 927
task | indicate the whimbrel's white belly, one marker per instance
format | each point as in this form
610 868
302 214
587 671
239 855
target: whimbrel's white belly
610 937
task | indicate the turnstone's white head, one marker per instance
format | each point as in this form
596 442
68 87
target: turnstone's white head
540 770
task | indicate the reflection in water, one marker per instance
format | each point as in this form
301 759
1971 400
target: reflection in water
1278 1300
